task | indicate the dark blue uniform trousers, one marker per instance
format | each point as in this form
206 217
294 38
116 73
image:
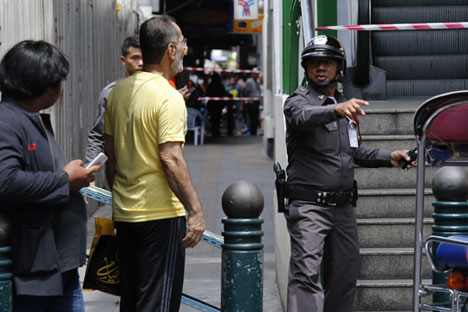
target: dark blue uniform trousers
322 234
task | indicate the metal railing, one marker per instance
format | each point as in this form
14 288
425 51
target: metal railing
105 196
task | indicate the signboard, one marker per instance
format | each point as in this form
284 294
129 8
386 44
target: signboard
247 16
245 9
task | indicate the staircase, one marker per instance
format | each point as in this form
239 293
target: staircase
386 211
426 62
418 64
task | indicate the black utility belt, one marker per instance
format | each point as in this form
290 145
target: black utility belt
326 198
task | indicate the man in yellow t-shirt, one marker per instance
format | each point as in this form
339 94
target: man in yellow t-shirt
145 126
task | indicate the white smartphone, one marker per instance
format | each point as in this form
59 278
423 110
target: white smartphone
99 159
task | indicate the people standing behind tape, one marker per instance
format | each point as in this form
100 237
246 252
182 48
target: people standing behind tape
252 90
261 107
234 91
145 127
323 148
39 190
184 90
132 60
215 108
225 77
204 83
241 85
188 89
240 82
194 77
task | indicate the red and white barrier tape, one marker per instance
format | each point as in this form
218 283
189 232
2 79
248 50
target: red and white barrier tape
226 98
222 70
417 26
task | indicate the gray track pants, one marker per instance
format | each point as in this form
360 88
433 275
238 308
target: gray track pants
322 232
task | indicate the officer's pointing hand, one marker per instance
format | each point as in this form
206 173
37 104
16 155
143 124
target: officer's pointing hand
351 108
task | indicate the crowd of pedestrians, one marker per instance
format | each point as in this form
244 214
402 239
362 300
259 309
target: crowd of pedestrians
240 117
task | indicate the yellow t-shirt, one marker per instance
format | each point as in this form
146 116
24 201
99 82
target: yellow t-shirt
143 111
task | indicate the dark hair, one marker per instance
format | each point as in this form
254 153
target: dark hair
215 78
30 67
132 41
155 35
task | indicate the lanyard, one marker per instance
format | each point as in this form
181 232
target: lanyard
354 132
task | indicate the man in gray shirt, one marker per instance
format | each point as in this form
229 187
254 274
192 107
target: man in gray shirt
252 90
132 59
323 146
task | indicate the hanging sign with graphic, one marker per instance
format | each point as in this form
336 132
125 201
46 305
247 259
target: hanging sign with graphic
247 16
245 9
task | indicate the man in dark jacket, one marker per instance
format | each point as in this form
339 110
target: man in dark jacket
323 147
38 189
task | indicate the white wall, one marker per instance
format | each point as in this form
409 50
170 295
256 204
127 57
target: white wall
282 243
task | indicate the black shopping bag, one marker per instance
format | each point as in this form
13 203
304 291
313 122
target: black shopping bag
102 272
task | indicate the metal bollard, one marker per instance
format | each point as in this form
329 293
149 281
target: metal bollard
450 188
5 265
242 255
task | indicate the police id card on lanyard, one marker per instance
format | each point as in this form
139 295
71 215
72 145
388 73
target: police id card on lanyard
352 129
353 135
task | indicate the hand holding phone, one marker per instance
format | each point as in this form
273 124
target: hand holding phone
413 155
101 158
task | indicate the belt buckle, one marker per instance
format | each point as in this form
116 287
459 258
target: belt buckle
330 198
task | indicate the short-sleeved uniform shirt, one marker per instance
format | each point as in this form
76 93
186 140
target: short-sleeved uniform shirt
144 111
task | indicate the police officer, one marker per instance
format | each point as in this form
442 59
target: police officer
323 147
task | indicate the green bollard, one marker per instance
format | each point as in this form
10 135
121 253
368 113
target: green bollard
242 255
450 188
5 265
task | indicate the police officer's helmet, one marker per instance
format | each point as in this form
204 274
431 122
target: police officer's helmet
325 46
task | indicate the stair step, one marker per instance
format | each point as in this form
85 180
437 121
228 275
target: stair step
389 283
421 14
385 295
423 66
424 87
390 177
395 106
390 263
385 121
391 203
390 233
391 221
390 142
398 192
406 3
395 43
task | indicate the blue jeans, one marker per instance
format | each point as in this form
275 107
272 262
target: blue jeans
71 300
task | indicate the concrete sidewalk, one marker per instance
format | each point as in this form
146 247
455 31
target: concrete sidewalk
213 167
